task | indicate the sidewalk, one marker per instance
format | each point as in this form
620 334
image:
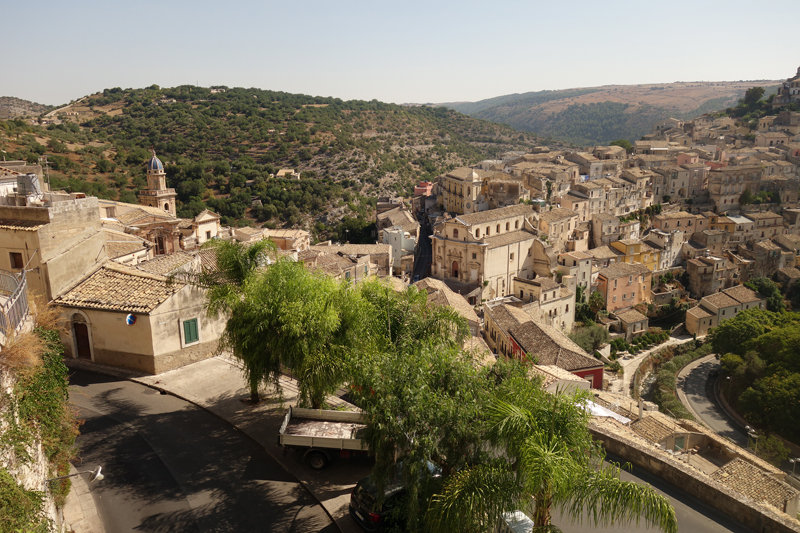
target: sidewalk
217 386
80 513
631 363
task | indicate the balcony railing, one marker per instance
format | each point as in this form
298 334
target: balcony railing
14 289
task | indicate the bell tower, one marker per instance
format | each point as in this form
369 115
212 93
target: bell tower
157 194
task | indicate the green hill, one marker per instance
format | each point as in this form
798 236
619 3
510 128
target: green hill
220 147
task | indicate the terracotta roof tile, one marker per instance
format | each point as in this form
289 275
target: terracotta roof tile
618 270
165 264
655 429
719 300
754 483
560 213
116 288
495 214
743 294
551 347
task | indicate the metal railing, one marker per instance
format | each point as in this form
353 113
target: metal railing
14 310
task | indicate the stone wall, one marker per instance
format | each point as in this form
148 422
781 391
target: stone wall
186 356
31 474
754 515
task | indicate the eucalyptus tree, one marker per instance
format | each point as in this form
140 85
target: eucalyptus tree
226 285
283 316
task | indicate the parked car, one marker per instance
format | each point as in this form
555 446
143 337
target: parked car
365 495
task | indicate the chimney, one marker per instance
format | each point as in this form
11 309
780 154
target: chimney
640 409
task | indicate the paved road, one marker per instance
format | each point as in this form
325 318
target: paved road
172 467
693 516
699 391
422 262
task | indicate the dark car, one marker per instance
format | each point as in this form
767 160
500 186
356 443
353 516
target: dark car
365 495
362 504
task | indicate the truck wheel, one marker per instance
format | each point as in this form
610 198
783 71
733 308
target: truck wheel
317 460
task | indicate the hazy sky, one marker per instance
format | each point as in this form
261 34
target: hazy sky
55 51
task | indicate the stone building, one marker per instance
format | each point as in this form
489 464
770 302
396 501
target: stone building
716 308
557 225
128 318
624 285
710 274
511 332
57 242
460 191
547 301
157 193
485 249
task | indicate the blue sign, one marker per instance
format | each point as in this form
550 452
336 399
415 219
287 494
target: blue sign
130 320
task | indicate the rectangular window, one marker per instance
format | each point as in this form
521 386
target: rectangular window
512 257
16 260
474 256
347 275
615 299
191 331
208 234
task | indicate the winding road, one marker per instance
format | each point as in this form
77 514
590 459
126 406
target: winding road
698 390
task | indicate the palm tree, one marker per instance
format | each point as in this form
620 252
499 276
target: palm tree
549 459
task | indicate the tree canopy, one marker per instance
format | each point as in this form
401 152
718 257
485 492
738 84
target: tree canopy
491 429
761 353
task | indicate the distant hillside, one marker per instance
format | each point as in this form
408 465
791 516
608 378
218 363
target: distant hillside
598 115
220 147
11 107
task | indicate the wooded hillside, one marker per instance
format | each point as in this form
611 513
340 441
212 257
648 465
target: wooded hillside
220 146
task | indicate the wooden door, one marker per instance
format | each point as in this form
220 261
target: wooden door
82 340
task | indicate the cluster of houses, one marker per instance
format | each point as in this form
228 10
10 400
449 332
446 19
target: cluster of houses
527 234
109 267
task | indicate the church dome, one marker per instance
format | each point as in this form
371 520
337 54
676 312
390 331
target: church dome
155 164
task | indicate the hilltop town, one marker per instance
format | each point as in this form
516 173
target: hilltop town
580 263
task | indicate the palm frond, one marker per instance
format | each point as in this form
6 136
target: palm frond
608 500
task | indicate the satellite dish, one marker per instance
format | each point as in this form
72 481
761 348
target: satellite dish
96 474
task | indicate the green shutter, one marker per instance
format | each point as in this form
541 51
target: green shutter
190 332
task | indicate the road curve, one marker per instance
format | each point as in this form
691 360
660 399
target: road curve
171 466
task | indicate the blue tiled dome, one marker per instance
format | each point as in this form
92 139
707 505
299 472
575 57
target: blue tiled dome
155 164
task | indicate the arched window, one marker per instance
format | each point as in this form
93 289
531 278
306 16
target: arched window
488 231
516 224
477 233
455 234
498 228
166 207
507 226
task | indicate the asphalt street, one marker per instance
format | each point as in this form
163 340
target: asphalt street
172 467
693 516
422 262
699 390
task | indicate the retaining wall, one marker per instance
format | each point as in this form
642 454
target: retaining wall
759 517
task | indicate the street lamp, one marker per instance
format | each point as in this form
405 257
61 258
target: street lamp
94 475
754 435
730 384
794 461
